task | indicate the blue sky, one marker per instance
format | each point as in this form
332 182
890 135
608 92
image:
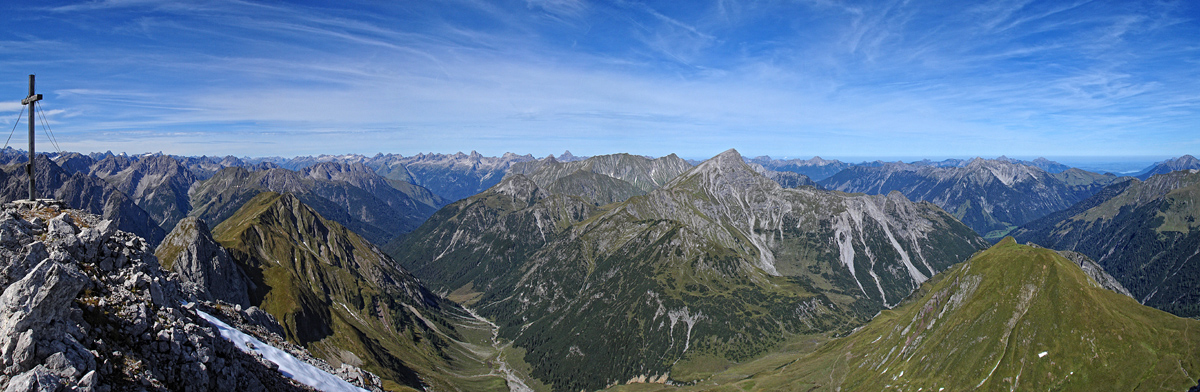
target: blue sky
786 78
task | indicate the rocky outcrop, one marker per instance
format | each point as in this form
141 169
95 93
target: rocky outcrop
1095 271
85 307
204 267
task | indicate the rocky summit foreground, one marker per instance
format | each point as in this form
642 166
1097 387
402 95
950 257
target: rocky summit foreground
86 307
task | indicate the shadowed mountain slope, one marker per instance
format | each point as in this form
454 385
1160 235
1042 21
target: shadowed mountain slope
1144 233
372 208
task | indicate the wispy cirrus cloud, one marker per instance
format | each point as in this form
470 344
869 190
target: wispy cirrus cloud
933 78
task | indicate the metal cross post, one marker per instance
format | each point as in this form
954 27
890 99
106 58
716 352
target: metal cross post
29 167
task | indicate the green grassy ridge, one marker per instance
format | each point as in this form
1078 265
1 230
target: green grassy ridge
982 325
334 292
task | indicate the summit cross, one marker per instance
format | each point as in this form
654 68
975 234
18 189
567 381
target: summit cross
29 166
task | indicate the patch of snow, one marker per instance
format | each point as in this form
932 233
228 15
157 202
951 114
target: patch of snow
288 365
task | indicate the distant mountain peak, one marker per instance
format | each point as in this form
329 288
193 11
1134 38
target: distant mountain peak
568 157
1181 163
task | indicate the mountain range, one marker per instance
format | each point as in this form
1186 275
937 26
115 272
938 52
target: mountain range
1186 162
991 196
83 192
718 264
624 272
449 176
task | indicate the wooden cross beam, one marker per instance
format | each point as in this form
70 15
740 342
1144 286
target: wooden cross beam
29 167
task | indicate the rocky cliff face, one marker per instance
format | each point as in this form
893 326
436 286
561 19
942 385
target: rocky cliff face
719 262
205 269
86 307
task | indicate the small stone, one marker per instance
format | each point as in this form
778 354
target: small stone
106 228
59 364
88 381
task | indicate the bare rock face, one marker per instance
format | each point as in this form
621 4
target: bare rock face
204 267
86 307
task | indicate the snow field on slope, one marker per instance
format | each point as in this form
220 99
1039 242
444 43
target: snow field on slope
288 365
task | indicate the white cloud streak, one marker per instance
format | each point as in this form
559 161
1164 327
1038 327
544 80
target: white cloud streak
557 74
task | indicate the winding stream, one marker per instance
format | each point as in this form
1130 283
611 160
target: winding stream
515 384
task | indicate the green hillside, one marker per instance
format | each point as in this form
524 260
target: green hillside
1014 317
